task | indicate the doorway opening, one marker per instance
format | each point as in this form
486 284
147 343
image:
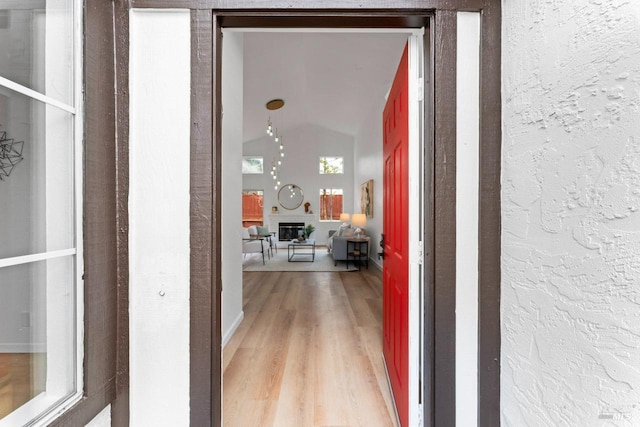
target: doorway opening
335 84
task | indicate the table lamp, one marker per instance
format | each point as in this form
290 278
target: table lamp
345 217
359 220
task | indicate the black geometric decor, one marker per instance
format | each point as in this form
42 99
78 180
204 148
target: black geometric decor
10 155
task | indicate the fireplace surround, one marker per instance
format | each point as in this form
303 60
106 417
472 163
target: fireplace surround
288 231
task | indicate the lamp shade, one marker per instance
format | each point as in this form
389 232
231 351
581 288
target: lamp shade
359 220
345 217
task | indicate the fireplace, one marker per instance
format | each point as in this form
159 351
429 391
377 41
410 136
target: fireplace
288 231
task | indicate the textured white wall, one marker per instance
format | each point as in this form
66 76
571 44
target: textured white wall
571 213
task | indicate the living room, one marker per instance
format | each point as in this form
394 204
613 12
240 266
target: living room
342 124
334 88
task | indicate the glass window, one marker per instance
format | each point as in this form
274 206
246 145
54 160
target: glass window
40 198
331 165
252 204
36 176
252 165
330 204
37 46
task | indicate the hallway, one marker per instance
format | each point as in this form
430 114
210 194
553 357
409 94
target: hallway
308 353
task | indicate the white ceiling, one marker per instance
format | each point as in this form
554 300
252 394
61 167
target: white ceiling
328 79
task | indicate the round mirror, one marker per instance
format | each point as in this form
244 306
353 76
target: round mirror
290 196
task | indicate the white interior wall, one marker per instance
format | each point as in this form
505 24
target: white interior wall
159 203
301 166
467 188
570 213
368 165
232 90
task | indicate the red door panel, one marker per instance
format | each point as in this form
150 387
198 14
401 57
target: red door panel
395 274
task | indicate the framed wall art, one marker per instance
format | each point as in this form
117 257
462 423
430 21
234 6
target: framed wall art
366 198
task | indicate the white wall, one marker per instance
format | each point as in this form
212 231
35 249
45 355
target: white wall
467 197
159 204
368 165
232 84
301 166
103 419
571 213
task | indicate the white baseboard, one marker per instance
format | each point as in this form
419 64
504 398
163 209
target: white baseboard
227 336
376 262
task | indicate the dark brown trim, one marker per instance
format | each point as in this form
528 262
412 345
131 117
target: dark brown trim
120 407
440 248
445 219
489 218
428 280
303 19
261 6
100 232
216 303
203 373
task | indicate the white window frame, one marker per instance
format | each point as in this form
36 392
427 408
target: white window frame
331 157
320 204
252 157
41 410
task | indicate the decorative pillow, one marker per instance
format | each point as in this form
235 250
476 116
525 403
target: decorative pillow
349 232
342 228
245 233
253 229
262 230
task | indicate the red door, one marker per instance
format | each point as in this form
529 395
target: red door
395 299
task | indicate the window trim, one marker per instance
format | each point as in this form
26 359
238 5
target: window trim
105 219
331 157
253 157
246 192
42 410
320 204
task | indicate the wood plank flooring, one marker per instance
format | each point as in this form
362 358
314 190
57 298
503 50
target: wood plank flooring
308 353
19 380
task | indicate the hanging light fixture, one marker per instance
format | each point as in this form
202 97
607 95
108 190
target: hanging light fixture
273 105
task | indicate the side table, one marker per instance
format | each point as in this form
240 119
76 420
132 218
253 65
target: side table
358 250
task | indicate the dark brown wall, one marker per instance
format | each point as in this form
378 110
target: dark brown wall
100 232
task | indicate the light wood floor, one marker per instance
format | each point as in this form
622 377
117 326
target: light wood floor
18 382
308 353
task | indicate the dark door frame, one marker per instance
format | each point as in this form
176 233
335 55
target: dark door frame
208 17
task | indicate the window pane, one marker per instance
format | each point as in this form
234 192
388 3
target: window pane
36 171
252 165
330 204
331 165
37 344
252 204
37 35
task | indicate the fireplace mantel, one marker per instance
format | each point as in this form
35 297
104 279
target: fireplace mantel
274 220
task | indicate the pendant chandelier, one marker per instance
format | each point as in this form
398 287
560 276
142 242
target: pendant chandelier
276 163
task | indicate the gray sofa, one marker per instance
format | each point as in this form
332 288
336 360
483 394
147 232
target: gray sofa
337 245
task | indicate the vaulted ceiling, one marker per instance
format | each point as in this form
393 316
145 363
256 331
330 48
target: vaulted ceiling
327 79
